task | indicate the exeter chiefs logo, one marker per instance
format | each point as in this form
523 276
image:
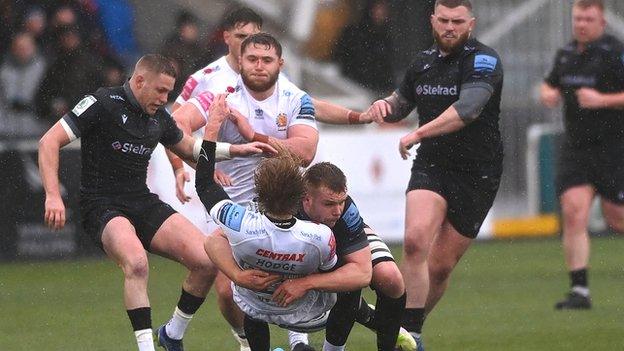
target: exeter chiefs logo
281 121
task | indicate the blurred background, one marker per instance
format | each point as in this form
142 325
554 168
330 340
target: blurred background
349 52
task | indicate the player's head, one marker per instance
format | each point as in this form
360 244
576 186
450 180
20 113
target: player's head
588 21
237 26
279 184
452 22
260 61
153 78
326 193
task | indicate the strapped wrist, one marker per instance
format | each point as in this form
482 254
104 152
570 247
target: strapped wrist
261 138
353 117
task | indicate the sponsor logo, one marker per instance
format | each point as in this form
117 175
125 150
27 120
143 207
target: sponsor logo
578 80
298 257
124 118
83 105
287 93
259 113
117 97
260 263
436 90
311 236
485 63
130 148
281 121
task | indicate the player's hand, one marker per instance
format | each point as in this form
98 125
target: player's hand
253 148
255 279
54 216
218 110
182 177
549 96
379 110
242 124
222 179
365 118
290 291
407 142
590 98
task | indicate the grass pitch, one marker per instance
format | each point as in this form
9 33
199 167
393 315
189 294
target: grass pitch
501 298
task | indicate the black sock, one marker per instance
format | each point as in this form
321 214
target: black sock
188 303
140 318
366 315
258 334
388 317
413 319
578 278
342 317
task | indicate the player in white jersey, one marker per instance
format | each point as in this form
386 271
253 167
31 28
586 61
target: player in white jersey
272 240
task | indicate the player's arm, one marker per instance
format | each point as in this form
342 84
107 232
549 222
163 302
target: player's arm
391 109
218 248
593 99
49 153
327 112
550 96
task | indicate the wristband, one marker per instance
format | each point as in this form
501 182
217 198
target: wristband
354 117
197 148
222 152
261 138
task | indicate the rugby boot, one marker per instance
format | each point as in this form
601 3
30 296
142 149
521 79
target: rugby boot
166 342
574 301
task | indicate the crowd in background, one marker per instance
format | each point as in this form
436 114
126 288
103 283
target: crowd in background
53 52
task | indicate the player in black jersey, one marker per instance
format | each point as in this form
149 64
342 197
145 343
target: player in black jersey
588 75
456 88
119 127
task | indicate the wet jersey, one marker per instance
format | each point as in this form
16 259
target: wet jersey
348 230
117 139
218 78
434 82
600 67
293 249
286 107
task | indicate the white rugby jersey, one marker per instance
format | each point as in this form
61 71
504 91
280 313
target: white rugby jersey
286 107
218 77
302 249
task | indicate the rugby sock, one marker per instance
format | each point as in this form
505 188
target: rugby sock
365 315
144 339
327 346
413 319
257 333
295 338
388 317
578 281
182 315
342 317
239 331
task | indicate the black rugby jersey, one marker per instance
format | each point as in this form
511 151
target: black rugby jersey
117 140
601 67
348 230
433 83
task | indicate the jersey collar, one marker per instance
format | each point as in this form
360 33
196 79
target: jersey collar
130 95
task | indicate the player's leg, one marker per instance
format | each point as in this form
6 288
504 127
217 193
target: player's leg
178 239
229 310
258 334
341 319
614 215
424 213
447 249
121 244
575 207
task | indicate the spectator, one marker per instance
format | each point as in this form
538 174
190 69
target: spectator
35 23
183 48
364 50
74 71
21 73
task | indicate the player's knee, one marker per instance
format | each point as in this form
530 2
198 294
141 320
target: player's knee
136 268
615 222
573 215
389 281
224 291
414 247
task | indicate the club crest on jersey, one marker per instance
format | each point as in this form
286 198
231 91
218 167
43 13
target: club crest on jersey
259 113
83 105
281 122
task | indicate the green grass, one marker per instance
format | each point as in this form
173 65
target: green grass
501 298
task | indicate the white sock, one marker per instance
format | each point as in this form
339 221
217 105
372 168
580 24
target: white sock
415 335
329 347
177 324
239 331
582 290
144 339
295 338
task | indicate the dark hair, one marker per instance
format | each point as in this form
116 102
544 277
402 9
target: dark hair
279 183
263 39
325 174
157 63
590 3
243 16
454 3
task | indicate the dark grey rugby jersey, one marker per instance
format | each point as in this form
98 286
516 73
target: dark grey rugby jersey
600 67
433 83
117 140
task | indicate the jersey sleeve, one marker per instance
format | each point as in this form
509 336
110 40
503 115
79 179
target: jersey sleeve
228 215
406 89
303 111
202 102
82 118
328 252
349 230
553 77
171 133
189 89
616 65
482 67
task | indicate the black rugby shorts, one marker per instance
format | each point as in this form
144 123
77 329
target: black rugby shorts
145 211
601 166
469 194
